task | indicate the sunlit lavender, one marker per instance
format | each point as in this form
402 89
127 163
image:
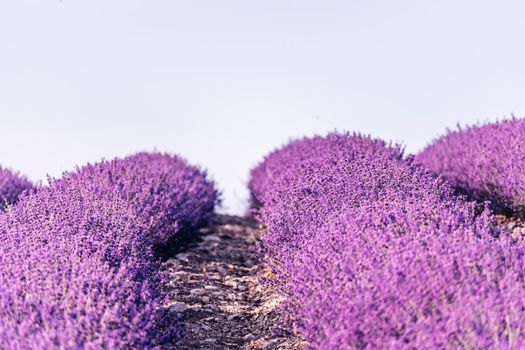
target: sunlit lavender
373 252
485 161
77 262
12 185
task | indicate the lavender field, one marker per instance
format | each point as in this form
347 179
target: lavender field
350 243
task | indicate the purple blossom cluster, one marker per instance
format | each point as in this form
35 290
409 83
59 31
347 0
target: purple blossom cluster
485 162
295 152
373 252
12 185
77 260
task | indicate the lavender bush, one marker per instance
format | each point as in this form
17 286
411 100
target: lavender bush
12 185
484 161
373 252
297 151
308 174
77 264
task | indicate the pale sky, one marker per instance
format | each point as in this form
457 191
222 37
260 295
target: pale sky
222 83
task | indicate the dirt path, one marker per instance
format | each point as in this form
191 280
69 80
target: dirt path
514 225
216 293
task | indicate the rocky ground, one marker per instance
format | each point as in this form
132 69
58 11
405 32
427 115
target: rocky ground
215 290
512 224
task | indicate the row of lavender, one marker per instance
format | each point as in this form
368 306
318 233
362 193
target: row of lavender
373 252
77 259
12 185
485 162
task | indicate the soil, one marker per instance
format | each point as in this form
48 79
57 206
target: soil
216 290
513 224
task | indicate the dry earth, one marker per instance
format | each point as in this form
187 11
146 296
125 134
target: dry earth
215 290
514 225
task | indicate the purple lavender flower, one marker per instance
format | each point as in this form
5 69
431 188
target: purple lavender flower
371 251
12 185
485 162
77 262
